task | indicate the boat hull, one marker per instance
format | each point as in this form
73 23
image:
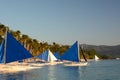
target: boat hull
76 64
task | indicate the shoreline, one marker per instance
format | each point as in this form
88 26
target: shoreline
6 68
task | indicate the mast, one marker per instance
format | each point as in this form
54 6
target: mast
83 54
5 46
78 51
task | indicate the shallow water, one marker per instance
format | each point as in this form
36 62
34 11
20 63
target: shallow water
100 70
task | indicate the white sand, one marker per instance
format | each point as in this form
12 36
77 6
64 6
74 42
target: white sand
7 68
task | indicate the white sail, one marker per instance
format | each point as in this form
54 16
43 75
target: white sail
51 57
96 58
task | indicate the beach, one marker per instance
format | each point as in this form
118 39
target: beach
13 68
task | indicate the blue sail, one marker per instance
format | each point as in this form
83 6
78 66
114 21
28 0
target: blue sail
39 56
14 50
44 56
2 52
71 54
57 55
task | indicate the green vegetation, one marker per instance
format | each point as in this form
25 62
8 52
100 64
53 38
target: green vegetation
36 47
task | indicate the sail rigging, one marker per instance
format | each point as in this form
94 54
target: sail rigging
83 54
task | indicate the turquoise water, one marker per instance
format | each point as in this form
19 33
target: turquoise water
101 70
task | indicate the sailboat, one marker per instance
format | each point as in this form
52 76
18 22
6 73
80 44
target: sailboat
11 50
96 58
48 57
72 56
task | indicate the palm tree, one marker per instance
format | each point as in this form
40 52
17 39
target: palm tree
55 47
24 40
35 47
18 33
29 44
2 31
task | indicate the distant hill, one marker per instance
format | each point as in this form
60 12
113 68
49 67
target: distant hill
111 51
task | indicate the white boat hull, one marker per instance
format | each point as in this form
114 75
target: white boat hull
76 64
55 63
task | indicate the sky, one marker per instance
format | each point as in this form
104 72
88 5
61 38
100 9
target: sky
95 22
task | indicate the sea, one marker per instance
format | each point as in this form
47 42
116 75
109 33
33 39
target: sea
95 70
